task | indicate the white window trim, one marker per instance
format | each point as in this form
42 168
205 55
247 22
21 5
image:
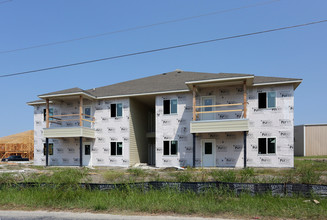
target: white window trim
122 110
267 100
268 154
163 106
213 141
170 155
122 152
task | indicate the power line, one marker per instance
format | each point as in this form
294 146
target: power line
162 49
135 28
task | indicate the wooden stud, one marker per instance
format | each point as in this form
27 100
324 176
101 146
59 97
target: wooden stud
234 110
244 100
194 103
47 113
80 110
205 106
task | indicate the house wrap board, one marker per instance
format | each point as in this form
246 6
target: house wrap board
229 146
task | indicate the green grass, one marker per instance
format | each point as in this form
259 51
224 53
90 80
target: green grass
113 176
214 203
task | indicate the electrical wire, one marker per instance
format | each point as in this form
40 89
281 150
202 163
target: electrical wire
164 48
135 28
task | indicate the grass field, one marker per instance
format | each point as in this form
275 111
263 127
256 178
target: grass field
221 203
164 202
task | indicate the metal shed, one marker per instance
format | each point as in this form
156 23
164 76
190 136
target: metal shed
310 140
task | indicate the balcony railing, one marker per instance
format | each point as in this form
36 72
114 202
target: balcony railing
206 112
82 119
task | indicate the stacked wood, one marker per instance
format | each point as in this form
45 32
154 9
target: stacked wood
18 144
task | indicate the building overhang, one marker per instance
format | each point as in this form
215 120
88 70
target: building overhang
214 126
62 96
68 132
222 82
295 83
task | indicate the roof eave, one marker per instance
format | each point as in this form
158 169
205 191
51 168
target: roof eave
66 94
296 83
248 79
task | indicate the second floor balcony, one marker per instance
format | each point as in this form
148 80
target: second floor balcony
79 124
210 115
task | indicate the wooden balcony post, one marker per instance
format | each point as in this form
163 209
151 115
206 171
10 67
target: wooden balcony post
47 113
194 103
80 111
244 100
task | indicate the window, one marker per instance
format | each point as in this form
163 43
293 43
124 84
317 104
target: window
267 99
45 114
267 145
87 149
116 148
116 110
170 106
170 147
50 149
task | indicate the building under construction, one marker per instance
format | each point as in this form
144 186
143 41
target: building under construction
18 144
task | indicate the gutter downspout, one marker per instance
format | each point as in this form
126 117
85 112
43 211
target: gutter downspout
194 137
244 149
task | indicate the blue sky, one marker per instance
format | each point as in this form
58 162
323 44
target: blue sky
297 53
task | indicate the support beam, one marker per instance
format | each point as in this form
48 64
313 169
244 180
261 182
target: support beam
80 151
80 111
194 103
47 152
244 149
194 141
244 99
47 113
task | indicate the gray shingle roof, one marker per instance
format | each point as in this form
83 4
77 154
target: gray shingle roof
171 81
65 91
269 79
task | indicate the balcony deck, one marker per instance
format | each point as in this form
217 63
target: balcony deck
211 126
65 132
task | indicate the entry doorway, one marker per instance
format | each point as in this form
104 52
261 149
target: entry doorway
87 154
207 101
87 115
208 153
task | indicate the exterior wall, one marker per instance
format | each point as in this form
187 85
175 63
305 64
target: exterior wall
138 128
223 95
174 127
107 129
229 149
299 140
65 151
275 122
229 145
315 140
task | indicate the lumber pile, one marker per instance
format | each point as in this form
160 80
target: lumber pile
18 144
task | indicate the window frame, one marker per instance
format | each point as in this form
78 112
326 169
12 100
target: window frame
170 106
267 147
116 110
169 148
50 149
45 114
267 99
116 149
